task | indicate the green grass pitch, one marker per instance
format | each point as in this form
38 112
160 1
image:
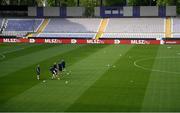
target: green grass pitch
105 78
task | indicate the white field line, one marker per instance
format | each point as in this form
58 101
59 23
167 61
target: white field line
6 52
155 70
2 56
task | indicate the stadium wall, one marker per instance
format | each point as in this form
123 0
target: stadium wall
75 11
104 12
32 11
127 11
97 12
56 11
149 11
51 11
170 10
135 11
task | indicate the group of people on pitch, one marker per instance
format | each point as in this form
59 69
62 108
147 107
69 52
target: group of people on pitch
56 69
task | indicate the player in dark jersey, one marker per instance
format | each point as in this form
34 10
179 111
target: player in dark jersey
60 68
38 71
53 72
55 68
63 63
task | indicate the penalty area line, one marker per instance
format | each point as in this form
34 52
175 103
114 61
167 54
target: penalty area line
155 70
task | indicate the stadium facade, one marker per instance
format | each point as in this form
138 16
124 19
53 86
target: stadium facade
110 25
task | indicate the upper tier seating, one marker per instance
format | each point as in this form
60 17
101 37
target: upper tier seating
28 25
133 35
73 25
176 25
67 35
136 25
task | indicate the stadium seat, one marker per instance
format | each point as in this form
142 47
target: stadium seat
136 25
14 33
75 25
176 35
20 27
133 35
67 35
176 25
28 25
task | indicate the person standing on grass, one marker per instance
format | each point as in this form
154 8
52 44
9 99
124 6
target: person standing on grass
53 72
63 63
38 71
55 68
60 68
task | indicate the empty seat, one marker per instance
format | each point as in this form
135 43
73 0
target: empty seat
176 35
14 33
132 35
136 25
74 25
67 35
28 25
176 25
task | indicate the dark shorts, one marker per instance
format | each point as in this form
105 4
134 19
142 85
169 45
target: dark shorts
55 70
60 69
52 72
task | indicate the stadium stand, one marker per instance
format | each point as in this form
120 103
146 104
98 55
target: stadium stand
67 35
136 25
14 33
133 35
88 28
73 25
176 27
176 35
135 28
28 25
20 27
